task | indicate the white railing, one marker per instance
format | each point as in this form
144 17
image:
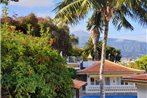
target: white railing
111 88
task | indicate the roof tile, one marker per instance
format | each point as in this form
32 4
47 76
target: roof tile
110 68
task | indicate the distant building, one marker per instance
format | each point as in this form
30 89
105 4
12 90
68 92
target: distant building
77 84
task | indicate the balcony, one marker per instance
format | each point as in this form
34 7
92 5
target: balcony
112 89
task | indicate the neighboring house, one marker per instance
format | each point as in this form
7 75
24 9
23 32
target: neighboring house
141 83
77 84
113 73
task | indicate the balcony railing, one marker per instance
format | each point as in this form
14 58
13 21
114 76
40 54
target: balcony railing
111 88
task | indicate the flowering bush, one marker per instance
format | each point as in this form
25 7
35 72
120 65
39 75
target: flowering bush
31 68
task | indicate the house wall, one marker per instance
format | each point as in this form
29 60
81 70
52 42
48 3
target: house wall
141 91
107 81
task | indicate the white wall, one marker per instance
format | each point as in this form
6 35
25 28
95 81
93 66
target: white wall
113 81
141 91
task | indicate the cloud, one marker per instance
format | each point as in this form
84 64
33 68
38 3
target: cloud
33 3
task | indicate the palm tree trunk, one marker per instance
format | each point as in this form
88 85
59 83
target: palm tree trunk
103 56
95 37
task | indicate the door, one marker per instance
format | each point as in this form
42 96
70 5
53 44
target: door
113 81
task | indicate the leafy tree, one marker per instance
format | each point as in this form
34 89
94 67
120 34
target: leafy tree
71 11
112 54
75 52
74 40
7 1
30 68
72 72
36 26
140 63
95 29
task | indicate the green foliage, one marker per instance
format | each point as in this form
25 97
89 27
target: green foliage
140 63
75 52
111 53
31 68
132 65
7 1
72 72
118 11
74 40
36 26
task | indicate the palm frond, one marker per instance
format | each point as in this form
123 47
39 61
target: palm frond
119 3
74 11
119 20
96 20
62 4
139 10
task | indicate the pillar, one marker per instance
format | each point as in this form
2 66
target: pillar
77 93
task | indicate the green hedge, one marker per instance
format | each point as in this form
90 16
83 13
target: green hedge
31 68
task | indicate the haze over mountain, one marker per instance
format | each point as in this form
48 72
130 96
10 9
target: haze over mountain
129 48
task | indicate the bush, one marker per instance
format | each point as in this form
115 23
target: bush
31 68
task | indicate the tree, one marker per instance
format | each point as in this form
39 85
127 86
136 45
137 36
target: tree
112 54
140 63
71 11
36 26
7 1
95 29
74 40
31 68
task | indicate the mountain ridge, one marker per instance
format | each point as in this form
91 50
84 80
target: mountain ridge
129 48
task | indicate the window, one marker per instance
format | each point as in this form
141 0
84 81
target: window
107 81
126 83
97 82
122 83
92 81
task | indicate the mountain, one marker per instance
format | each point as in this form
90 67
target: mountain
129 48
83 37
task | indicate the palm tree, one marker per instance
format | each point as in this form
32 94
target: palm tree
71 11
95 27
74 40
112 54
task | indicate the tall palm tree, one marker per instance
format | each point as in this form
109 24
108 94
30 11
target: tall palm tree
71 11
95 27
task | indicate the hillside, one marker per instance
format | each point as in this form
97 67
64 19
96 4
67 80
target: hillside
129 48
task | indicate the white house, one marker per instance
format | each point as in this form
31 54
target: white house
113 74
141 83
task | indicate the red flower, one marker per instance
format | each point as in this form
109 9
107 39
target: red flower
25 43
28 36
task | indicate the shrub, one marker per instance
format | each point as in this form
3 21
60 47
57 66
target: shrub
31 68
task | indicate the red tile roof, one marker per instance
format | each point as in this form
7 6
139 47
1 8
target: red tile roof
140 77
77 84
110 68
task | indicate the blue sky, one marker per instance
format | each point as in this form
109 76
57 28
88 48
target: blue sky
44 8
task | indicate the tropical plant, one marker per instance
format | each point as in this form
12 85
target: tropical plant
95 29
140 63
112 54
74 40
72 72
7 1
36 26
31 68
71 11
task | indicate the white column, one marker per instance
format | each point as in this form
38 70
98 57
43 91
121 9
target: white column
142 91
88 80
104 81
